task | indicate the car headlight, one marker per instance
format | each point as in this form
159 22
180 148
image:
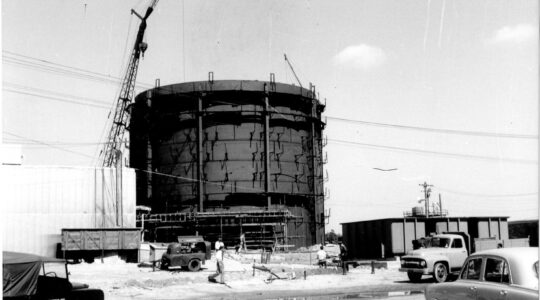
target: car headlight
423 263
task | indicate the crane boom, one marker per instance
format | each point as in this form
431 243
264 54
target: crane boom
114 144
292 69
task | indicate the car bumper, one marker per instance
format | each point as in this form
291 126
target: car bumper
415 270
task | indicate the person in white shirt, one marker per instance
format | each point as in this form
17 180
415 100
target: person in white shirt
218 244
321 256
220 267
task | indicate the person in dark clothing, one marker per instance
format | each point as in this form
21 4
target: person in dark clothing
343 257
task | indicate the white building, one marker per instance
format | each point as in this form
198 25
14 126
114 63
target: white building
38 201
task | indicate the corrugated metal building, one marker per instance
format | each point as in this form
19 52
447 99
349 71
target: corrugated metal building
524 229
393 237
38 201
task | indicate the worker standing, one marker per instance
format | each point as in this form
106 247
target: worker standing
219 244
343 256
220 267
243 242
321 256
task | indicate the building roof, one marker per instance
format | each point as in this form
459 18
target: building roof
430 218
230 85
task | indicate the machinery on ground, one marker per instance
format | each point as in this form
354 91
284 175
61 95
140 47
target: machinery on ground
190 253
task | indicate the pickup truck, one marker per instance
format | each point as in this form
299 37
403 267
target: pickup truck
442 255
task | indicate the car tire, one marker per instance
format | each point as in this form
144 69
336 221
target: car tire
86 294
440 272
194 265
414 277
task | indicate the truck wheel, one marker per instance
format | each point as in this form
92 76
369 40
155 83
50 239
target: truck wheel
414 277
440 272
194 265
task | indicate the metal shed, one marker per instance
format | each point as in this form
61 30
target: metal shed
391 237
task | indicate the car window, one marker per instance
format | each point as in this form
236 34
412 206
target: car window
457 243
497 271
53 269
472 268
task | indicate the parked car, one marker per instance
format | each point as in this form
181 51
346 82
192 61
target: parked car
506 273
28 276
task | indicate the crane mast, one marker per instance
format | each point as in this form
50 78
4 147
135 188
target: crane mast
115 139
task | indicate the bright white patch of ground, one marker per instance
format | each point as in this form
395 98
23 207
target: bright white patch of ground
121 280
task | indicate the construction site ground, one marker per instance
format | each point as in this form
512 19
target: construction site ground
121 280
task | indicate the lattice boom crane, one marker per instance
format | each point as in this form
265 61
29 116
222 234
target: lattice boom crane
114 144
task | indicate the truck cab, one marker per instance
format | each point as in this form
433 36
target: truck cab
439 256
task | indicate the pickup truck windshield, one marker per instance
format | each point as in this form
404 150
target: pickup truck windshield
439 242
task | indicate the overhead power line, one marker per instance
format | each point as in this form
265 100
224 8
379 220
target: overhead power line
455 155
55 98
437 130
21 89
52 67
487 195
49 145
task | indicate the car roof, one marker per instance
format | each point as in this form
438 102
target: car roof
510 253
521 261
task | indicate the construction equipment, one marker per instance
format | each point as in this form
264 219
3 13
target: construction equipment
189 253
292 69
115 141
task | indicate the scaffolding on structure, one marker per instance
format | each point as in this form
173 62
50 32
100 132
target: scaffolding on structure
262 229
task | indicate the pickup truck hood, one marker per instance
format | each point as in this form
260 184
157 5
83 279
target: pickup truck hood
427 252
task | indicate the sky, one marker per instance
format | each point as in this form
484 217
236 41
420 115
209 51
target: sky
444 92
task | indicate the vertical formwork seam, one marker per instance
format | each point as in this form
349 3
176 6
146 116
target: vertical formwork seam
267 146
200 154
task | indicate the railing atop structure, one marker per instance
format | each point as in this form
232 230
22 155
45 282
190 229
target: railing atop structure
432 213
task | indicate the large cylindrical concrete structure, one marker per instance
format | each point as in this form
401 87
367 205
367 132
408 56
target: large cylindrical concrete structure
215 146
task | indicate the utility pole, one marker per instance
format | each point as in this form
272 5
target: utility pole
440 205
427 192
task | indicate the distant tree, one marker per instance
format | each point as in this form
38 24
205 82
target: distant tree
332 236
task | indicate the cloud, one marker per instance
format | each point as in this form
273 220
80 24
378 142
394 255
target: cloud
521 33
361 57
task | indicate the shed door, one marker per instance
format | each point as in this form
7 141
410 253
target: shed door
397 238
